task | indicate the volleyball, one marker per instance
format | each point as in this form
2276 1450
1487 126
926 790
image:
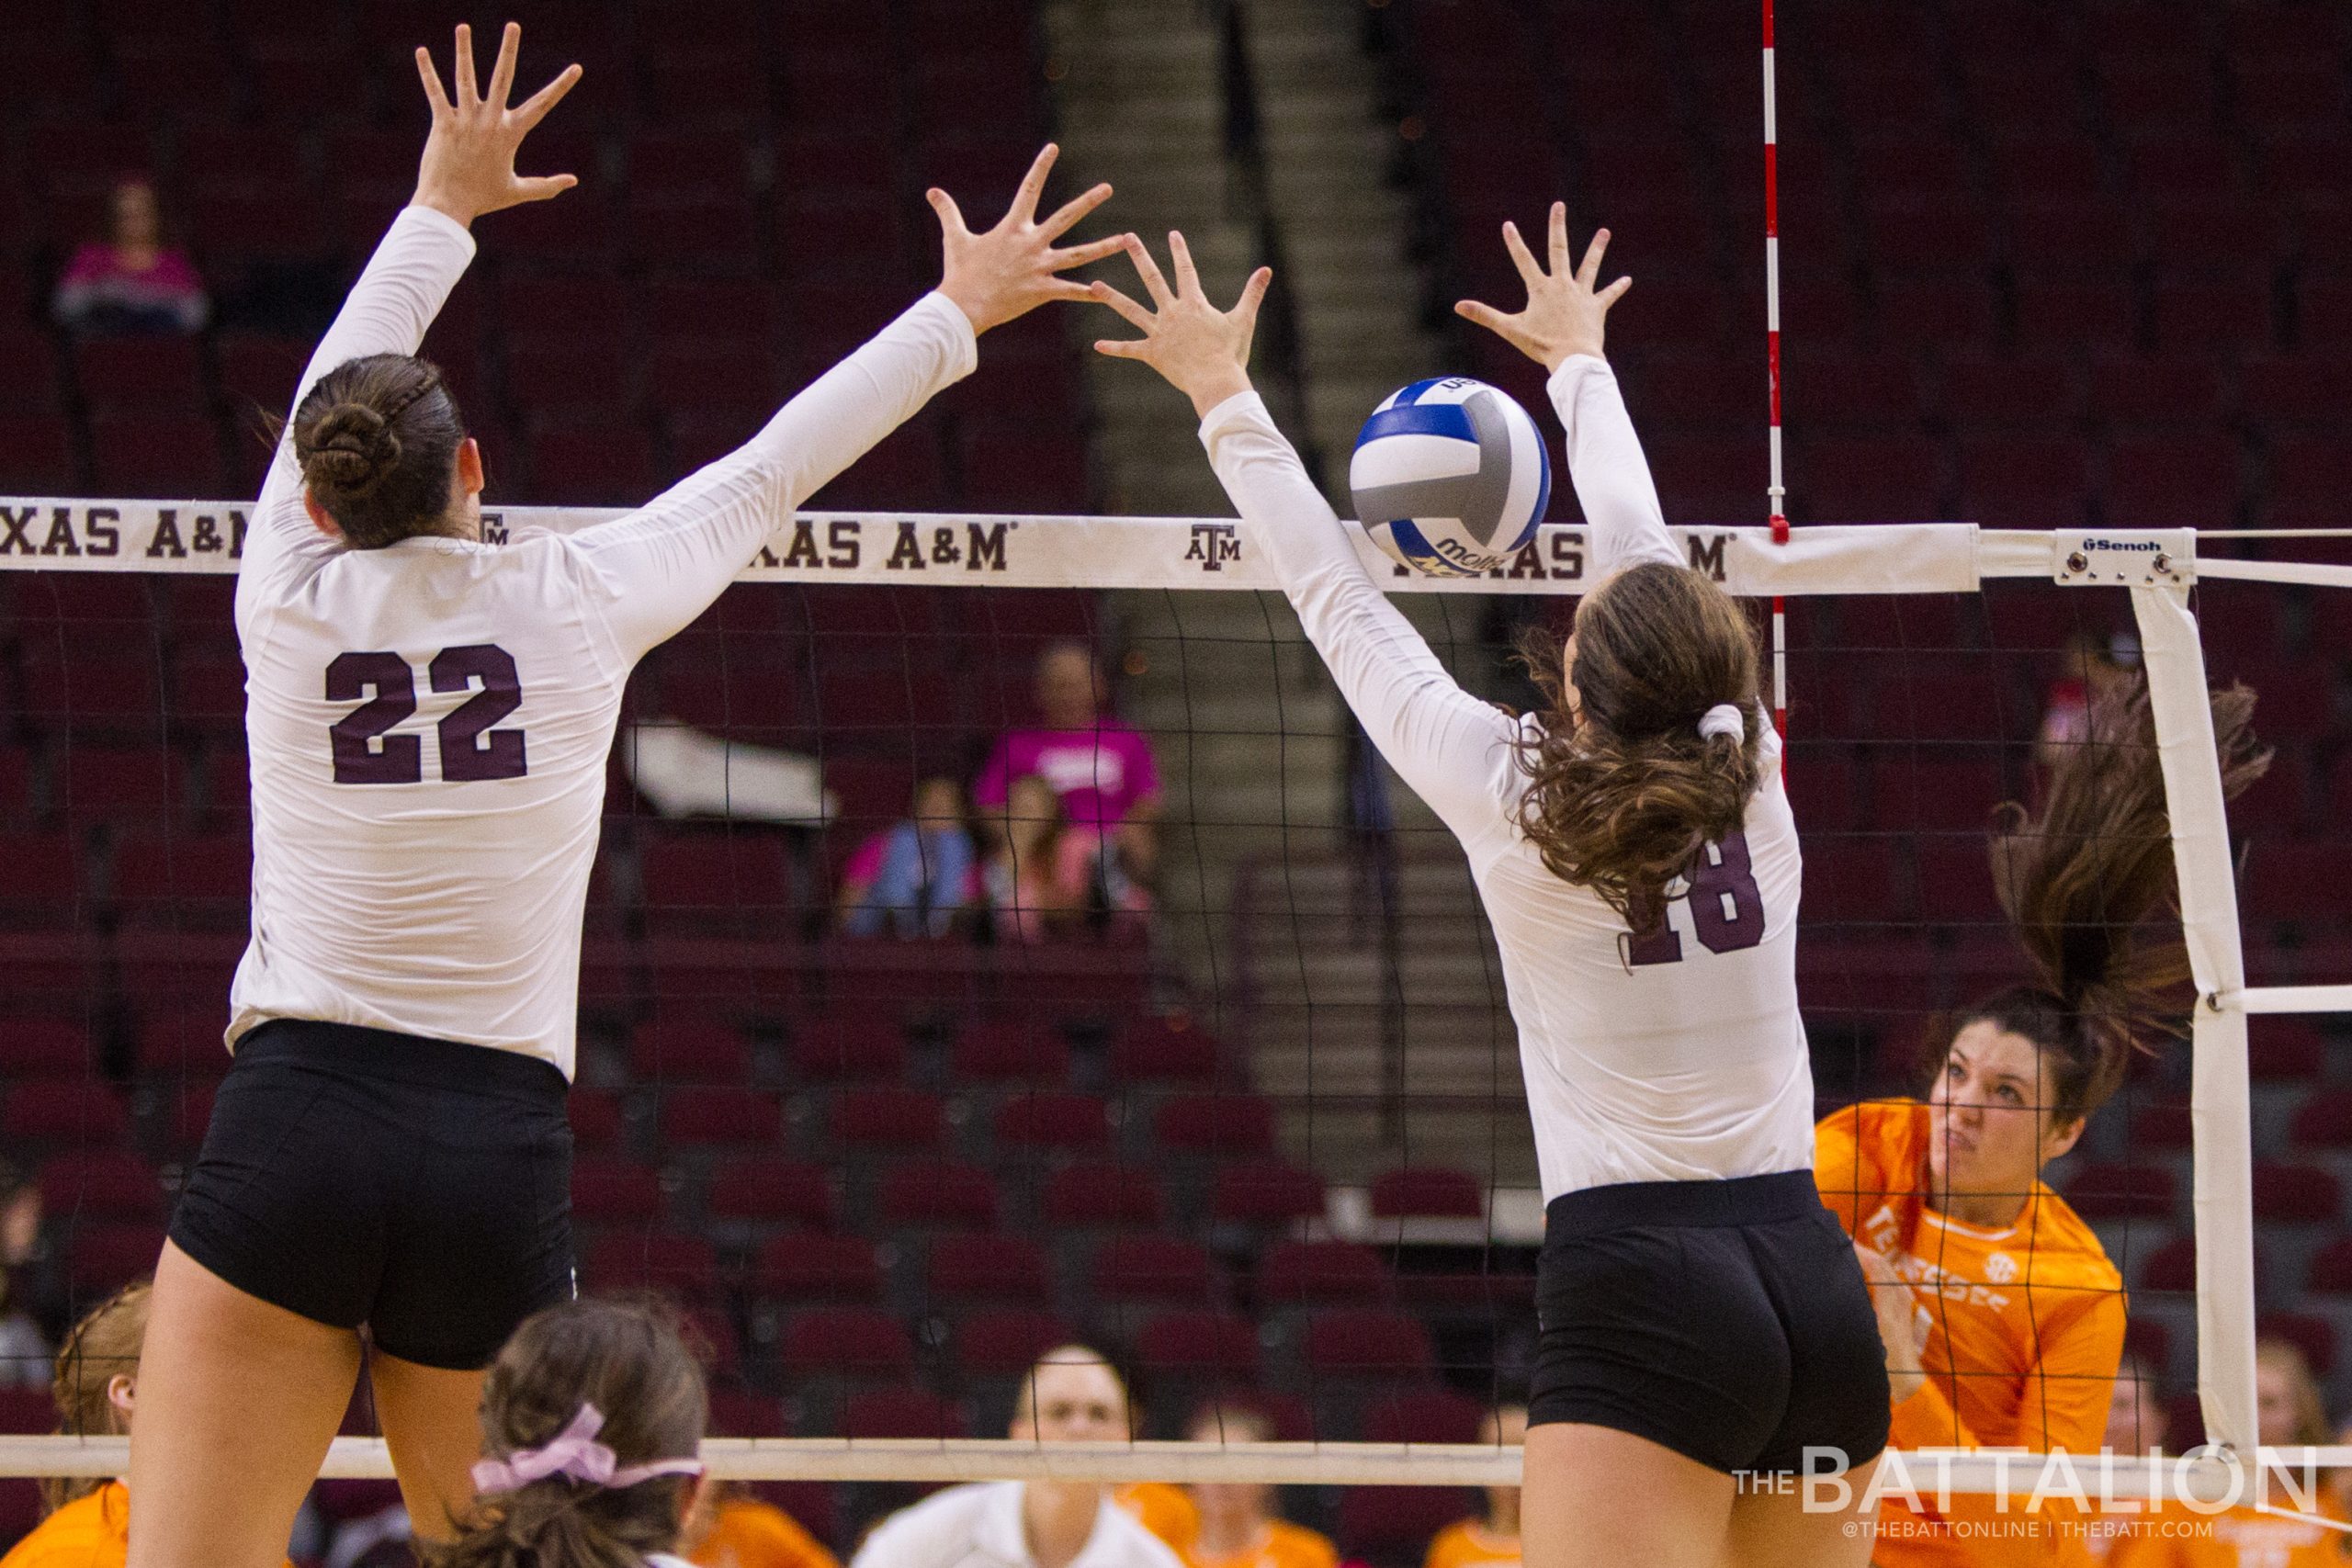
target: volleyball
1450 477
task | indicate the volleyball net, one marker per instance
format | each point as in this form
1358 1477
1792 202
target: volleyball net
915 1043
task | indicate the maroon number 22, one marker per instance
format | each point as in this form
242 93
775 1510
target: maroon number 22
366 752
1725 873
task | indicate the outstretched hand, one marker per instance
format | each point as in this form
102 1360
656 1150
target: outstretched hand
1564 313
1891 1302
1204 352
1013 269
469 165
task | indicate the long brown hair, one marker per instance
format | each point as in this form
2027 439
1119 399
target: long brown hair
1622 796
629 1358
378 438
2081 880
101 1347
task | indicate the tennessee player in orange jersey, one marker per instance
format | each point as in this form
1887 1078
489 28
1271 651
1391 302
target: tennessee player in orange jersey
1166 1511
88 1525
1492 1541
2291 1414
1238 1526
2002 1316
728 1528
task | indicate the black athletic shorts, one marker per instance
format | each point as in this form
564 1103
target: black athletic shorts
419 1187
1725 1320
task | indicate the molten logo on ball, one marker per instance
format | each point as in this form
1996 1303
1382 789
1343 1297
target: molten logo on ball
1450 477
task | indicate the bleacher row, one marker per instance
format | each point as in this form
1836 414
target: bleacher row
750 208
2042 263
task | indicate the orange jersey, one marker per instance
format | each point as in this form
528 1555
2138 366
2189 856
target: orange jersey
1470 1544
93 1531
2020 1329
89 1532
2176 1536
1166 1511
1283 1545
748 1533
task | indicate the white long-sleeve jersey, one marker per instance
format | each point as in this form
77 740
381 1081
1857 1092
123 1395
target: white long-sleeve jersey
429 723
979 1526
1677 1058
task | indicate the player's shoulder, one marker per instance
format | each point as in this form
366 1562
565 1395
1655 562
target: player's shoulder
2067 1253
1880 1127
76 1536
1299 1547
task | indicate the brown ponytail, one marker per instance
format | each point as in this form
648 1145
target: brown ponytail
628 1359
2080 880
1622 796
377 440
101 1347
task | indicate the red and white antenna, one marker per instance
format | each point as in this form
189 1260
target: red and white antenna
1776 497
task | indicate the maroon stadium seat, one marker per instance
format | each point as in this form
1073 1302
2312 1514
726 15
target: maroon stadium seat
1053 1123
1094 1195
1013 1052
1197 1343
1224 1126
1362 1342
2110 1191
846 1047
689 1050
936 1195
2296 1194
184 882
903 1412
1428 1191
1007 1344
720 1115
35 1045
717 881
983 1267
101 1184
1153 1269
803 1267
686 1266
851 1344
608 1191
1165 1049
105 1256
77 1112
1265 1192
774 1192
1301 1273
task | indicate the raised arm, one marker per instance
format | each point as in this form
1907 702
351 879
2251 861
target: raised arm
1562 330
661 567
467 170
1451 748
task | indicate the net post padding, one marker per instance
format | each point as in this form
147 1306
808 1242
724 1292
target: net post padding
2220 1096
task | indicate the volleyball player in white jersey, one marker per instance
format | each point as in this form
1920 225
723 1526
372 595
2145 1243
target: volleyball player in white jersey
429 718
1702 1315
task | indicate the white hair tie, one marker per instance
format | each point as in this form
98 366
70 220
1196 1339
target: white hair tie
1723 720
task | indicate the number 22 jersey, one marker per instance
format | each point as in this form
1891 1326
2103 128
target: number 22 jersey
430 722
1678 1058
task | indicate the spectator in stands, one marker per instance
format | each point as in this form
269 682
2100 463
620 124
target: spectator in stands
914 878
2289 1414
592 1418
731 1528
1100 769
88 1522
1240 1526
30 1290
1072 1394
2135 1416
130 282
2093 667
1037 877
1491 1541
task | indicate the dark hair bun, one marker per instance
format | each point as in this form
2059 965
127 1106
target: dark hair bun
351 451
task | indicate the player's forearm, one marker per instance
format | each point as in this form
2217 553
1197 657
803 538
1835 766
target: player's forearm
841 416
1605 462
419 261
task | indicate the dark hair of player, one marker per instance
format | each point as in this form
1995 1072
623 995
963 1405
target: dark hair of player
2082 879
1623 789
377 440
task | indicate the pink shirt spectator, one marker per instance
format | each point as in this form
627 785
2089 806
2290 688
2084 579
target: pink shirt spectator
1099 774
100 291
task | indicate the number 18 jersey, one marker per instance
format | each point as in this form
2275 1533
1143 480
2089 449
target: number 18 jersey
430 722
1675 1058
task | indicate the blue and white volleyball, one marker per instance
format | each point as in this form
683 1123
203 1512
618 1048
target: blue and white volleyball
1450 477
